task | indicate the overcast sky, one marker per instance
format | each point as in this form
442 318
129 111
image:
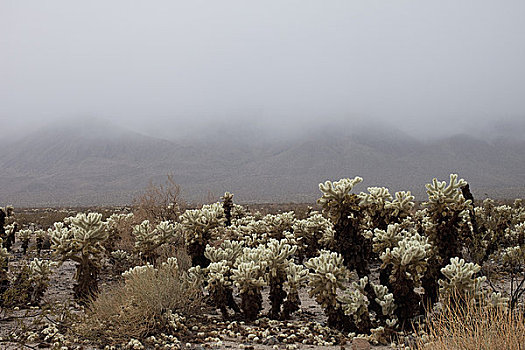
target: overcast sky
165 66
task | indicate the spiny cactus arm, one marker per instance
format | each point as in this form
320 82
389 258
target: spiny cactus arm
409 258
228 251
387 239
377 197
138 270
337 195
277 254
327 275
460 278
218 273
402 204
168 232
384 298
8 210
247 276
227 196
62 243
41 270
296 277
497 300
355 304
25 234
89 229
440 195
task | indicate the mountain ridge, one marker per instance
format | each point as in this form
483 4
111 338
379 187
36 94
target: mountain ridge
102 164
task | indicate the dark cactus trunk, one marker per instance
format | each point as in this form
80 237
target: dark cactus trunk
86 287
350 243
251 304
277 295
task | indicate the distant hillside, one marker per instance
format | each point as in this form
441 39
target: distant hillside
98 163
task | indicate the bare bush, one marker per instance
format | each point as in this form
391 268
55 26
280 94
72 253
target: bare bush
143 305
160 202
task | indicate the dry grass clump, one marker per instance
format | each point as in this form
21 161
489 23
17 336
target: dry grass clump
473 326
138 307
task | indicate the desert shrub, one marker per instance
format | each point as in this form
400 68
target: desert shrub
149 301
466 325
120 227
159 202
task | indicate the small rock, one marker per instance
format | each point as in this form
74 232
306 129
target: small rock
360 344
271 341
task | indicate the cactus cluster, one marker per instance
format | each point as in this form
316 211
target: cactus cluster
373 261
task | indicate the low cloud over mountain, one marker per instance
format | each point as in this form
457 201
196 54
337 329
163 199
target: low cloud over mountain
99 163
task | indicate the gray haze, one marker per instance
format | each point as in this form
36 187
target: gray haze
179 68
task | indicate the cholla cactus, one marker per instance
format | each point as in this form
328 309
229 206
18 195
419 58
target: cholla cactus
271 226
25 236
496 229
220 286
296 278
343 208
374 202
448 213
82 243
446 208
276 257
355 304
408 263
4 263
228 251
227 205
460 280
39 273
7 232
401 206
40 237
121 260
310 233
4 214
219 274
200 225
148 239
248 277
384 299
389 239
327 276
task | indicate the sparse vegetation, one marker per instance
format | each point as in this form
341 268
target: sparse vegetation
366 264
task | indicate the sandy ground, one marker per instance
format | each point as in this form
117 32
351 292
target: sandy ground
60 291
